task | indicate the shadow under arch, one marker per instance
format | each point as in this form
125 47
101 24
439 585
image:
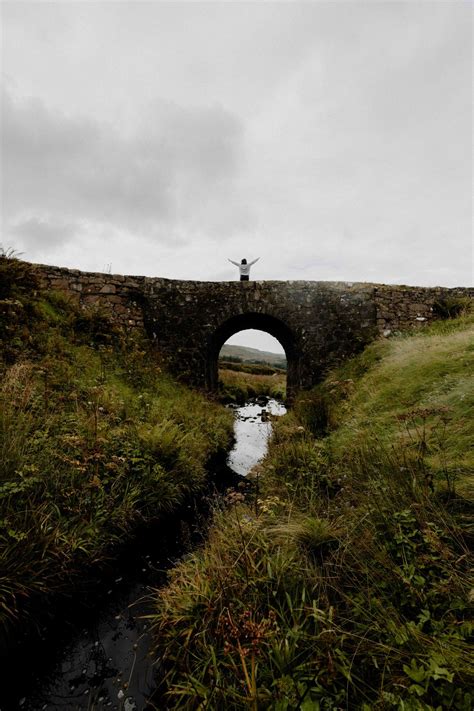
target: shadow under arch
260 322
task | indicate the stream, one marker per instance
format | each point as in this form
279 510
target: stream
102 660
252 430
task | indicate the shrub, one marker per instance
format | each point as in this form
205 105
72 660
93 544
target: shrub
452 306
17 278
94 326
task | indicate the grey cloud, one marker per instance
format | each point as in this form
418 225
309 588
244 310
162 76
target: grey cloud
79 168
39 234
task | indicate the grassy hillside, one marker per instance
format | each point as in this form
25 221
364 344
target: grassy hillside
414 396
246 373
346 582
252 355
94 439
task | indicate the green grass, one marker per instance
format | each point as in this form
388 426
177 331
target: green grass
94 440
239 386
418 398
345 581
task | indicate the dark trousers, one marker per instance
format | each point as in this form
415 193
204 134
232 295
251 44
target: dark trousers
244 277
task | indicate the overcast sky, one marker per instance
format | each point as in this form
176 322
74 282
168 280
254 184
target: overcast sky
330 139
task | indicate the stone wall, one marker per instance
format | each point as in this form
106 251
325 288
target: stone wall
119 296
317 323
401 307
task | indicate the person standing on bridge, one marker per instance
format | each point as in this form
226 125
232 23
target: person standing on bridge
244 268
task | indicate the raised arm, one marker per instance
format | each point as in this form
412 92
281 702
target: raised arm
231 260
255 260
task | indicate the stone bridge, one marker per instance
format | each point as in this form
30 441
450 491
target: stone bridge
317 323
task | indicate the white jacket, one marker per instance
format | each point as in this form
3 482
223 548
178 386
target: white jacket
244 269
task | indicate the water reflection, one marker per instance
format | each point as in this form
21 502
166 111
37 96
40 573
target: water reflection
252 430
107 665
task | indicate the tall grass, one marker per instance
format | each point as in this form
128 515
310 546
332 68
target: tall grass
348 582
240 386
94 439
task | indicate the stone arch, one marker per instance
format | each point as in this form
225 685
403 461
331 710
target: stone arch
261 322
